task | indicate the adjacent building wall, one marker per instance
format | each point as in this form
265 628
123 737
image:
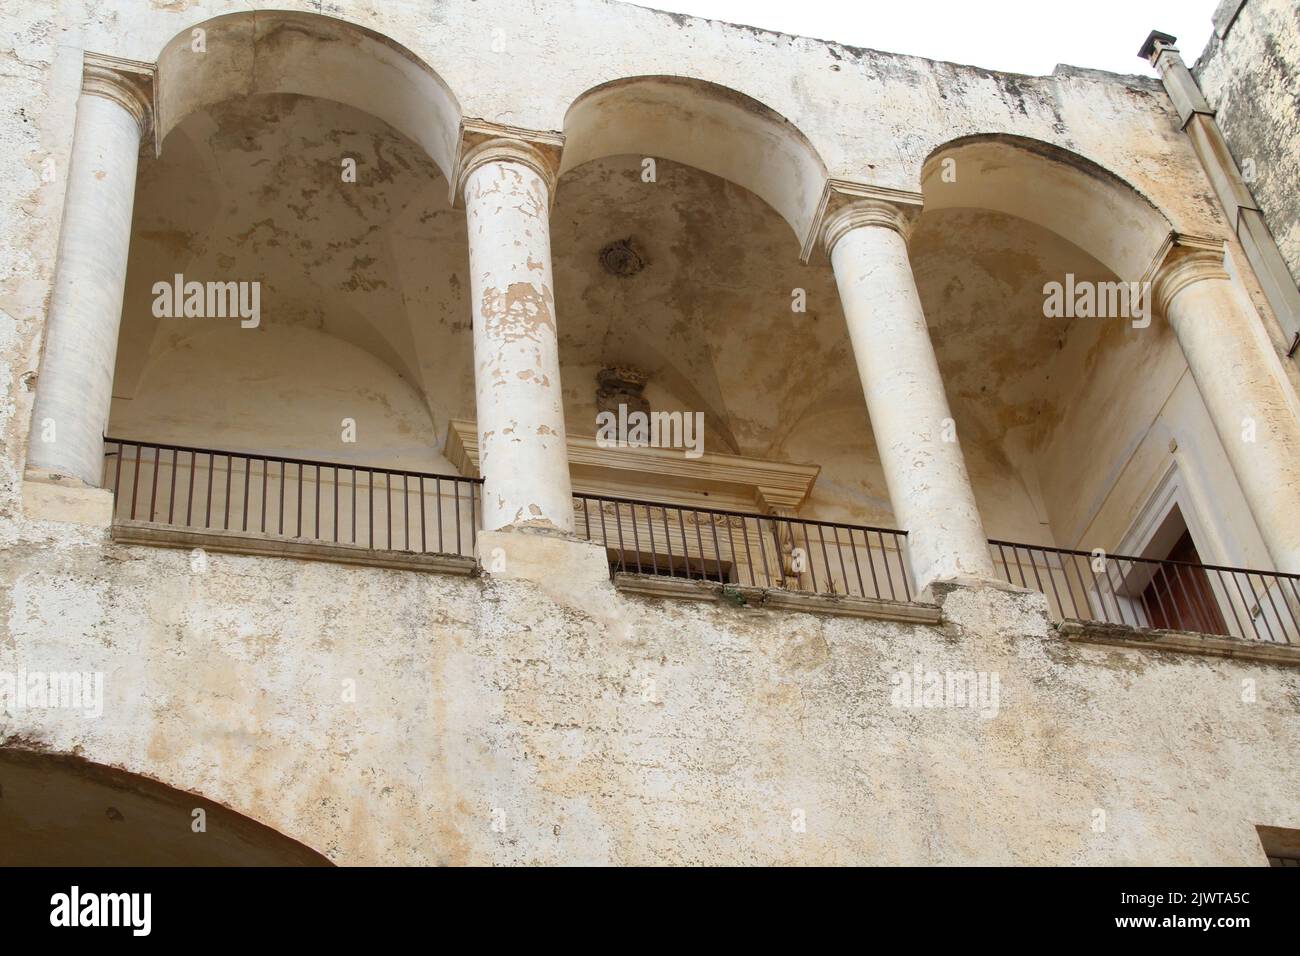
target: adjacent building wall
1250 74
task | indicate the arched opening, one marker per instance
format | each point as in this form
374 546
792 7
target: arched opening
303 166
1072 416
1060 191
677 233
58 810
709 127
239 55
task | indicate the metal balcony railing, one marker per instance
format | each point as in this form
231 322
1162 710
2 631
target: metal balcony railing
424 513
1149 593
333 502
738 548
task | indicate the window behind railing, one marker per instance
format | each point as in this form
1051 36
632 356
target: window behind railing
1149 593
736 548
333 502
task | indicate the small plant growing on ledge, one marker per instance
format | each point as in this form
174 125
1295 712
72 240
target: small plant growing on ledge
733 596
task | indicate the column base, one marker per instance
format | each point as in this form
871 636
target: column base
573 572
940 586
545 556
991 606
53 497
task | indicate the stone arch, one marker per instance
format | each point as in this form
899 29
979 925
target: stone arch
704 125
1052 187
61 810
282 56
277 51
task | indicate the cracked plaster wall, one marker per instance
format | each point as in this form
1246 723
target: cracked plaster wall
483 701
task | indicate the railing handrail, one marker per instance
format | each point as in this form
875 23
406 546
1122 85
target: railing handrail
1157 593
1132 558
735 514
303 502
120 442
352 466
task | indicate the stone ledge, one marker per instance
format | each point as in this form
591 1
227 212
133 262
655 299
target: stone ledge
1185 642
67 501
651 585
241 542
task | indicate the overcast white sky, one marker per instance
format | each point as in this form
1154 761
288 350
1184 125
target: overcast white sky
1020 36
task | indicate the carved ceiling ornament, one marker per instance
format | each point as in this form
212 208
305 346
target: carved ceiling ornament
622 258
621 385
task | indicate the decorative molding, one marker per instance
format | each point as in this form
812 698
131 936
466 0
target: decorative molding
270 546
745 597
664 473
860 215
131 84
483 142
1184 642
1178 486
1181 261
839 193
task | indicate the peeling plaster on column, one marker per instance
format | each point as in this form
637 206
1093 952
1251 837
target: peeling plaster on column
523 451
928 484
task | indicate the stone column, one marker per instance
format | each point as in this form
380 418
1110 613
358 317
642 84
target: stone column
75 385
507 186
926 475
1240 383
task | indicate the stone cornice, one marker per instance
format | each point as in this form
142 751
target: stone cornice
129 83
1180 261
895 208
666 473
1186 642
484 142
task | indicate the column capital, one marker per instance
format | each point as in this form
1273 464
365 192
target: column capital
484 142
862 213
847 205
128 83
1180 261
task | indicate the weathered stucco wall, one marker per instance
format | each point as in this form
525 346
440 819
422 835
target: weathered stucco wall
591 727
497 720
1249 79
